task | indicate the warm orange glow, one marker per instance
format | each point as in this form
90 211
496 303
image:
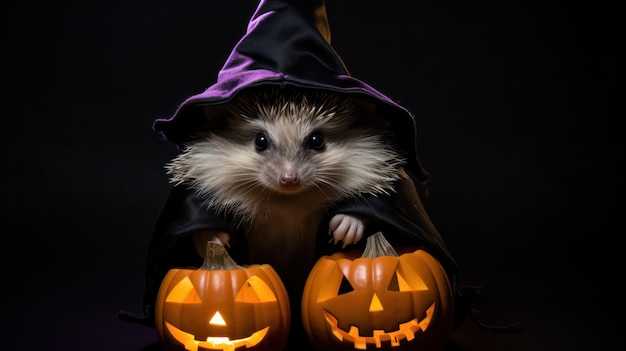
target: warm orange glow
352 302
183 292
255 290
217 319
404 286
406 331
375 305
219 343
195 309
407 274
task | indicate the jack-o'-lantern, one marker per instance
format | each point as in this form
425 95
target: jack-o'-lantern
380 300
222 306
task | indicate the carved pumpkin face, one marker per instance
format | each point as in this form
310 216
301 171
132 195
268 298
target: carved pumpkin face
388 302
241 309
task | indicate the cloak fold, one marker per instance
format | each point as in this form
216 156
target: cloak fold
287 43
400 216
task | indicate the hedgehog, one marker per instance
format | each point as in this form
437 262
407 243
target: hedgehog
278 158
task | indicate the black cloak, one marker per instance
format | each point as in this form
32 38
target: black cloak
287 43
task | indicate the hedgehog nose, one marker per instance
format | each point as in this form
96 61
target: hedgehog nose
289 177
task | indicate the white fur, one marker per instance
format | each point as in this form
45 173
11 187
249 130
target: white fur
281 222
225 167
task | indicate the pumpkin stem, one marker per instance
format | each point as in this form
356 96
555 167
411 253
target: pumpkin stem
377 245
217 258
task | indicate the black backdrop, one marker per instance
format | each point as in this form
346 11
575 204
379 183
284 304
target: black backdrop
516 105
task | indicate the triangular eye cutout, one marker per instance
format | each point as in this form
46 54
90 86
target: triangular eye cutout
183 292
398 283
345 287
393 284
409 279
255 290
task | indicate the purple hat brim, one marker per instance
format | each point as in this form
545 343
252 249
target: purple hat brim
286 44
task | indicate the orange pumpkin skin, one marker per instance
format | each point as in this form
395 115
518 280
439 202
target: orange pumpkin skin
398 303
226 309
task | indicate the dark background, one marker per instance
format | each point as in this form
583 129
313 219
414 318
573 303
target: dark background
517 108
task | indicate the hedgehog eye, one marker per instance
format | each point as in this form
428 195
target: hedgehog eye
316 141
261 142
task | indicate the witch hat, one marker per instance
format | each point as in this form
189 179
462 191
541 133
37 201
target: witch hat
287 43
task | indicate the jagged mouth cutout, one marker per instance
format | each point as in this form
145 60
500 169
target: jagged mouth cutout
254 290
406 331
220 343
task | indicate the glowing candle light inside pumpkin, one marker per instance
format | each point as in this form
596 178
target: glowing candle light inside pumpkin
378 300
196 307
217 319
